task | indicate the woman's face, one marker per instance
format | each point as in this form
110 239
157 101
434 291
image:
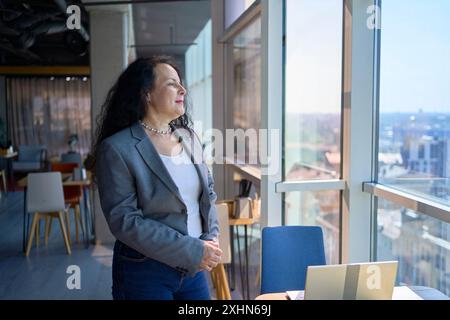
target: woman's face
167 95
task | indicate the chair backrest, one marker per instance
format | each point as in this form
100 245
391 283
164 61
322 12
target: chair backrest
286 253
69 191
32 153
72 157
63 167
224 235
45 192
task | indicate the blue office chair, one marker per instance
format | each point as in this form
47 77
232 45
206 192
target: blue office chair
32 158
286 254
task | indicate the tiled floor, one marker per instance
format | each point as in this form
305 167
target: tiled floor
43 275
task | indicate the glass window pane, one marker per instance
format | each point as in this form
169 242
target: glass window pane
414 145
316 209
234 8
420 243
247 84
313 89
198 78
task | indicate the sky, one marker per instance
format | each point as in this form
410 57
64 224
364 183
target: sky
313 61
415 56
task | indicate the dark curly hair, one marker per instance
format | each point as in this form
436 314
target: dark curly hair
126 102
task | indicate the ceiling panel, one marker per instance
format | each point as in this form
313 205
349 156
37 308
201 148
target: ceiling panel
168 27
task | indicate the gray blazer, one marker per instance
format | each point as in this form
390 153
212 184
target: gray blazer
142 204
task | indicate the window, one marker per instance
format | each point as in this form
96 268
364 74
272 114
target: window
412 135
247 84
421 151
414 132
420 244
312 116
234 8
313 89
316 209
199 77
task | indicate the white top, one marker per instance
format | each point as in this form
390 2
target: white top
186 178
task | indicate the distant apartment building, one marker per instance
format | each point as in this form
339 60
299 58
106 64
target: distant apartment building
427 155
420 244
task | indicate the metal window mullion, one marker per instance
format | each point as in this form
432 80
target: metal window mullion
229 110
357 155
218 88
271 102
310 185
375 137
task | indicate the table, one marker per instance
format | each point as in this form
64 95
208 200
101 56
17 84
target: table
67 181
235 223
400 293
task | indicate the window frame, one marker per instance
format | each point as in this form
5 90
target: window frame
285 186
358 185
420 204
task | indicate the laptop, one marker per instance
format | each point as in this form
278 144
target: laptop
355 281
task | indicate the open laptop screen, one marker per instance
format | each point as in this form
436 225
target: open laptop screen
356 281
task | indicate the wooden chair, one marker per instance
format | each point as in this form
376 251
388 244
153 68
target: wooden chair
219 276
72 197
45 198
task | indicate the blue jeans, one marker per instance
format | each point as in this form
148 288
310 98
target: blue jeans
137 277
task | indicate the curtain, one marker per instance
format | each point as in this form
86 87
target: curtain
48 111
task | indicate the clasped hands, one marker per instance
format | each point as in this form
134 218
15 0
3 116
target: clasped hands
211 255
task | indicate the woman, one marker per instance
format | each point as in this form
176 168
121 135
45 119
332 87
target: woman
156 193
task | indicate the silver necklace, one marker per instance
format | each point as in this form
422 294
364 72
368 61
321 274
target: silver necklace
146 126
